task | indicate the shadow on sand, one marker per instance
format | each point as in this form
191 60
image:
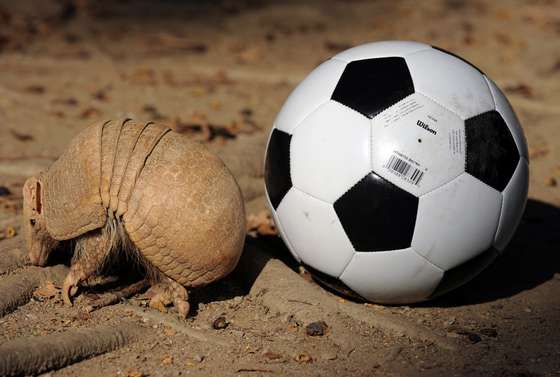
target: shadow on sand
530 259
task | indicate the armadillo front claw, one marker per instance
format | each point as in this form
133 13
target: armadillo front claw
69 288
183 308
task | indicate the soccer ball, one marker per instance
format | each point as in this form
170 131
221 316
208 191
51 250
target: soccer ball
396 171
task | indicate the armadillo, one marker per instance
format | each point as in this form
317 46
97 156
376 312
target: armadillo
140 187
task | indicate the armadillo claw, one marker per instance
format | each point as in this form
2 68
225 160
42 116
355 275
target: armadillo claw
158 304
69 288
183 308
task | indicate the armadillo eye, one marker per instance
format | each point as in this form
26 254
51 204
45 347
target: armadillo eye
32 222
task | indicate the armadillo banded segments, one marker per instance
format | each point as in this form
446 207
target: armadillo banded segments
175 198
109 140
130 157
144 146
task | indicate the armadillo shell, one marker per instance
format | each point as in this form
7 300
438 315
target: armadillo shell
179 204
186 213
71 202
125 145
109 139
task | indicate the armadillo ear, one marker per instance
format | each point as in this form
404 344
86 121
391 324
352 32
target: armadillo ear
30 190
38 198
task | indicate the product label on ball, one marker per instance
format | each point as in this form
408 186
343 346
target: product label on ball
405 107
405 167
418 145
456 142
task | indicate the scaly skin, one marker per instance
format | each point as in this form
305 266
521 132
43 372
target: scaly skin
188 218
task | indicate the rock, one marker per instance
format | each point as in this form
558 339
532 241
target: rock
303 358
457 331
471 336
450 322
220 323
199 358
318 328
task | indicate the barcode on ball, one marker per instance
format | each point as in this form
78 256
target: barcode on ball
404 169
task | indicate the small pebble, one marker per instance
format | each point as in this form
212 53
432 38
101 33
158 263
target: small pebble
318 328
10 232
35 89
451 321
220 323
246 112
303 357
492 333
472 337
199 358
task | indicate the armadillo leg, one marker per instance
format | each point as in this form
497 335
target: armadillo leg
166 292
160 296
89 255
180 298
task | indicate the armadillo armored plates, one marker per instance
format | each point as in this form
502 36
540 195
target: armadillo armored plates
143 188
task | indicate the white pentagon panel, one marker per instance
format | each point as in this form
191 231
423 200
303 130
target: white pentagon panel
330 151
457 221
312 92
418 145
506 111
380 50
450 81
315 232
281 229
514 200
391 277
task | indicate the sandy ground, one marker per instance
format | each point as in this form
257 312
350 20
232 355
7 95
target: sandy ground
220 72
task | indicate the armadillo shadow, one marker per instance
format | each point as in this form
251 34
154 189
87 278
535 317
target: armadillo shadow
256 253
530 260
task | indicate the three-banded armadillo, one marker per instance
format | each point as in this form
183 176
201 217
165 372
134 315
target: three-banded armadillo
145 188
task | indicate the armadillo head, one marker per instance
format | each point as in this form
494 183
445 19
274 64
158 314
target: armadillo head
39 242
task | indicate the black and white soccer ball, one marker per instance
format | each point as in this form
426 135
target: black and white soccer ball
396 171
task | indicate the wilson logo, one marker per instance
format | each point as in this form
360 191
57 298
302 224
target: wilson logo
426 127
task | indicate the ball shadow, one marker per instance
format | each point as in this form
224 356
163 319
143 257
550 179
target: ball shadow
529 260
